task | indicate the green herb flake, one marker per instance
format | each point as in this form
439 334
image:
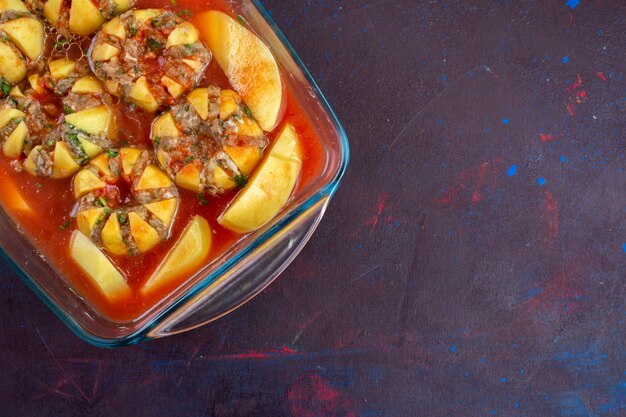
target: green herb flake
6 87
154 45
122 218
188 159
241 180
174 3
241 20
202 199
67 109
38 185
247 111
102 202
65 226
237 117
112 153
157 139
133 29
98 64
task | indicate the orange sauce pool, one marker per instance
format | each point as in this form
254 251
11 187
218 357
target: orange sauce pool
49 224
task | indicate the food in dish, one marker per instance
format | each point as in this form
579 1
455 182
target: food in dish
150 57
78 17
85 128
137 226
248 64
21 43
208 142
137 163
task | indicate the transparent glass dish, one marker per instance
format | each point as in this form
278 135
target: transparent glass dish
236 276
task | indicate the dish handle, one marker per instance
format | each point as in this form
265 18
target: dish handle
246 279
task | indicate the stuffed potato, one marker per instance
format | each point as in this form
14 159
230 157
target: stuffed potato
125 229
79 17
208 142
150 57
21 42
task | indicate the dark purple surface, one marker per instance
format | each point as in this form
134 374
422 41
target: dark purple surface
471 264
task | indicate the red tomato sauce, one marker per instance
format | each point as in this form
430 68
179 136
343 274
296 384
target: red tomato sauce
50 223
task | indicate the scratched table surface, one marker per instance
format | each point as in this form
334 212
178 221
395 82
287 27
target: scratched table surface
471 264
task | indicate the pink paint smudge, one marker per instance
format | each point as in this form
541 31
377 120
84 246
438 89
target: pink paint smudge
559 296
312 396
600 75
550 213
546 137
471 185
380 207
577 95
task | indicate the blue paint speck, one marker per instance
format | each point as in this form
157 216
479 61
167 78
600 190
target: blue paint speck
503 380
505 121
516 405
481 360
563 158
452 349
541 181
512 171
624 249
565 59
572 3
494 412
547 397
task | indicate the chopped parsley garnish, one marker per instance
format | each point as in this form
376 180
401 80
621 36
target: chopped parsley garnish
97 65
133 29
112 153
102 202
67 109
186 13
237 117
74 139
241 180
154 45
202 199
38 185
65 226
247 111
189 159
6 87
157 139
173 2
122 218
241 20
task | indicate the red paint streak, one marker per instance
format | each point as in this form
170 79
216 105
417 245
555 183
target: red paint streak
312 396
282 351
576 84
577 96
560 291
600 75
481 180
380 206
551 216
546 137
471 185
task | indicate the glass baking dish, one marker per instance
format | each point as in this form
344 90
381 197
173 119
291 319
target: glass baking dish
236 276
